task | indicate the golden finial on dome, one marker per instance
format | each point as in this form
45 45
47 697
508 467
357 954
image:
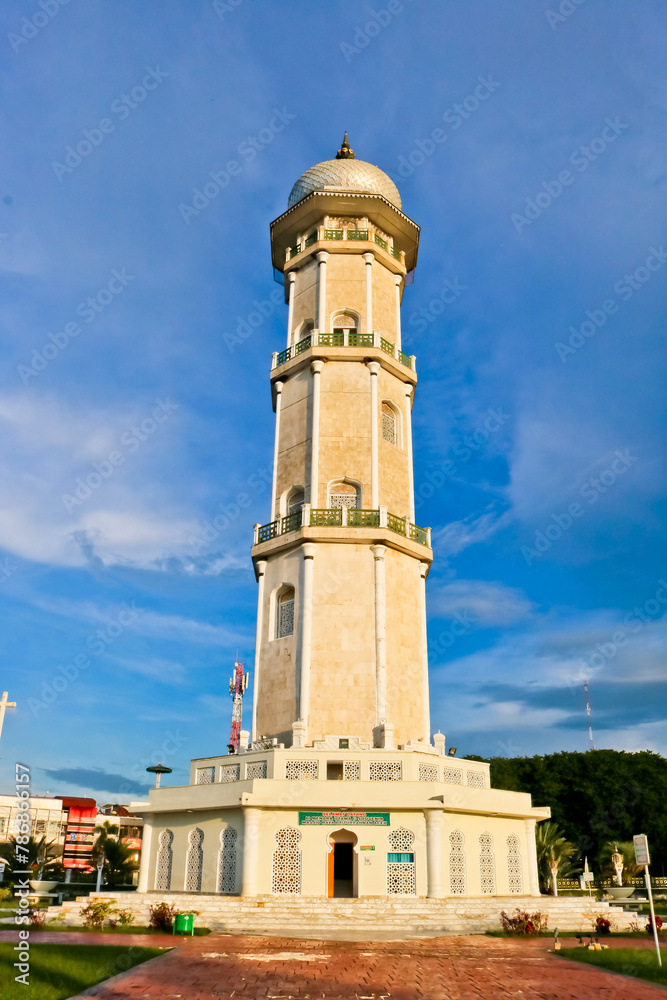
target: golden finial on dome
345 153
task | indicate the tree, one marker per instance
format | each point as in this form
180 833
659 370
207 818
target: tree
119 863
552 846
34 856
105 831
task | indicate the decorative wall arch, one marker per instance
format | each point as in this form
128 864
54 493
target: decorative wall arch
514 872
487 865
345 319
401 869
286 868
283 611
302 330
344 492
164 860
291 500
457 864
226 880
392 430
194 860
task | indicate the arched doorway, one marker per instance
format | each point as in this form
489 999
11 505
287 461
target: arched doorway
342 866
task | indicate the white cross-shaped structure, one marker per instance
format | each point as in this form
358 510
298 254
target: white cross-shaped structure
4 704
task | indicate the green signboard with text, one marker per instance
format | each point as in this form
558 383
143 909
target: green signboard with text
343 819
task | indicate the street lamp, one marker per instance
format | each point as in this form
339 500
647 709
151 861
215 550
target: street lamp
158 770
617 861
553 865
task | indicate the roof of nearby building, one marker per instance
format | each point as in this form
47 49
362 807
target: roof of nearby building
345 173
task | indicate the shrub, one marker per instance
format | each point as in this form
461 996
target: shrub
162 916
658 924
602 924
5 893
95 913
523 922
125 917
36 916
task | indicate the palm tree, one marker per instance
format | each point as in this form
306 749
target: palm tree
35 856
119 863
552 846
105 832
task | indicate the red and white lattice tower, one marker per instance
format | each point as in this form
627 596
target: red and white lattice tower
237 688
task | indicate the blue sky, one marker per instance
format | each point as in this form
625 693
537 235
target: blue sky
537 318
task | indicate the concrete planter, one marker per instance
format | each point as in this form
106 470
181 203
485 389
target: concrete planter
37 885
620 891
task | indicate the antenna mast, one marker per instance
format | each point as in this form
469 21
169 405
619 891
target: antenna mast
588 714
237 688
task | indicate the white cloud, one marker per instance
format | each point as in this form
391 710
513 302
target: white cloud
488 603
459 535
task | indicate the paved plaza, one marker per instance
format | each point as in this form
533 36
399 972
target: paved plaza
449 968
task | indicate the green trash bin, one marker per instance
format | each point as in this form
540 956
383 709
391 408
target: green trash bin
184 923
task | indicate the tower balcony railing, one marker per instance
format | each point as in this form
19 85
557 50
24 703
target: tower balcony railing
343 338
324 235
341 517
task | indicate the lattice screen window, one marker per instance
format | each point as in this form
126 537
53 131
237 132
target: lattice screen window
487 864
384 771
352 770
457 864
475 779
295 501
194 861
285 615
344 321
204 776
343 495
227 860
256 770
401 874
301 770
286 869
164 860
388 423
452 775
230 772
428 772
514 873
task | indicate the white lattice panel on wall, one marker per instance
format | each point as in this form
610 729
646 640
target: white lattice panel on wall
487 865
457 864
475 779
305 770
514 873
352 770
384 770
205 776
401 839
163 861
286 869
230 772
452 775
194 862
428 772
401 878
227 860
256 770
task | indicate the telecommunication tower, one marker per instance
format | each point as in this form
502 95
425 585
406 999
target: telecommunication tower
588 714
237 688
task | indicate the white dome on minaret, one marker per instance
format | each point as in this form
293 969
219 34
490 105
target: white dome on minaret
345 173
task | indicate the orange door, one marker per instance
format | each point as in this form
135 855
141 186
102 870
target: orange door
330 879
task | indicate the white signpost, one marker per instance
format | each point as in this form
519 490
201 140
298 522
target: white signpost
642 857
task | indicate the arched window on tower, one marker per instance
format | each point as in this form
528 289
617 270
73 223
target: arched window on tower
285 613
343 323
343 494
389 423
303 330
295 500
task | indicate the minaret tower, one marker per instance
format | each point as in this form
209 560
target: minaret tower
341 652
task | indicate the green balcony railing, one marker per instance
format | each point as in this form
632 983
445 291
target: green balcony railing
336 339
291 522
355 339
380 242
284 356
357 234
331 516
396 524
405 359
310 240
395 253
363 518
334 234
302 345
387 346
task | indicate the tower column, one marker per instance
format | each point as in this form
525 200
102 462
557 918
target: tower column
305 635
374 368
316 369
427 713
369 258
322 258
408 436
380 634
250 850
398 279
291 277
531 858
276 444
261 569
144 864
433 819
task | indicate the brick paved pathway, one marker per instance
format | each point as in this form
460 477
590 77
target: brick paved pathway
465 968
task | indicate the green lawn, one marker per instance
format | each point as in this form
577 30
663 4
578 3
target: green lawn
63 970
642 963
